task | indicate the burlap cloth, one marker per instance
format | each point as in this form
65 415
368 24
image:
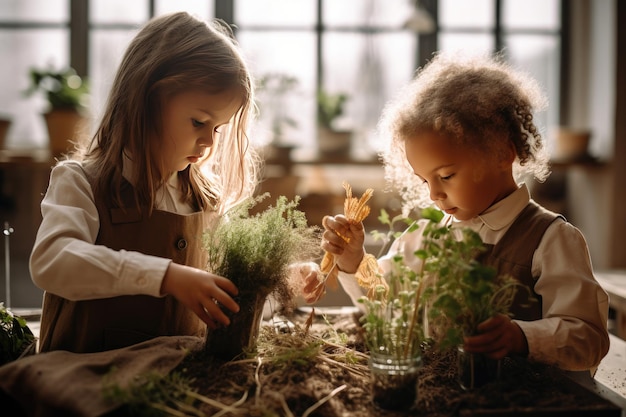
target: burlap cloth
62 383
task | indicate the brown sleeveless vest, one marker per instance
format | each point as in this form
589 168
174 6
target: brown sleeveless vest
513 255
110 323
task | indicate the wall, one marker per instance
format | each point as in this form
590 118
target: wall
590 189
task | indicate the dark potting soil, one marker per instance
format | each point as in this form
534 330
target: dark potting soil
324 372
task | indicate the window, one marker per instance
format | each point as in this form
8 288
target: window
527 31
360 47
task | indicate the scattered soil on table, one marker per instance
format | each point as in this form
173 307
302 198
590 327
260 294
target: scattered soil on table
324 372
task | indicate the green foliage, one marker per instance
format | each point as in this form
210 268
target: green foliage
461 292
15 335
329 107
63 89
392 321
392 233
454 290
255 251
152 394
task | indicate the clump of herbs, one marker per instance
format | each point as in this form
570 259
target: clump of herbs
255 251
152 394
462 292
15 335
392 321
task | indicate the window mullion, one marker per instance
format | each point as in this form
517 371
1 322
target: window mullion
79 36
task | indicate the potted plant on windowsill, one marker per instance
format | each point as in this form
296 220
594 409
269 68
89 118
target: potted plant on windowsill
67 95
333 141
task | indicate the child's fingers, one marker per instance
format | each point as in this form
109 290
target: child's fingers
215 314
337 224
223 299
226 285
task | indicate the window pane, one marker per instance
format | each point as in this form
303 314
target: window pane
27 49
203 9
466 43
370 69
118 11
467 14
276 12
106 50
539 55
534 14
291 54
35 10
388 13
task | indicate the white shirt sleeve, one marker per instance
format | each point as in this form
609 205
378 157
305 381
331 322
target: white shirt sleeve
65 259
573 331
405 244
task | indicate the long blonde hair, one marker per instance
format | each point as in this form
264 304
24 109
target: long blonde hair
171 54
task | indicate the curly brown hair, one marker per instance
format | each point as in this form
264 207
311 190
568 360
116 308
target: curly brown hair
480 102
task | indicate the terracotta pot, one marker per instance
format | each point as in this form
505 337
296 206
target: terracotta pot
64 127
572 144
4 128
332 143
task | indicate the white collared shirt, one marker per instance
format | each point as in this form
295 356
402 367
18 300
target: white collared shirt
65 260
573 331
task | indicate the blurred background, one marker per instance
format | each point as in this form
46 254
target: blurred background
325 69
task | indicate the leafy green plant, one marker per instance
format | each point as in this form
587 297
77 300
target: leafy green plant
255 251
392 321
329 107
64 89
461 292
15 335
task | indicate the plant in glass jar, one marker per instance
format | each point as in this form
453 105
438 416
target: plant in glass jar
461 293
393 333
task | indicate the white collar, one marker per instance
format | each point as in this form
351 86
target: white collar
501 214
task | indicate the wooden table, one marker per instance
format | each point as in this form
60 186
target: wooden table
610 379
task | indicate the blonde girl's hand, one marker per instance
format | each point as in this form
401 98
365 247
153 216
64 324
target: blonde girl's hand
497 337
202 292
310 276
344 240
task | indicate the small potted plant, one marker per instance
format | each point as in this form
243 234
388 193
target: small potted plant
333 141
273 91
393 331
461 293
255 252
67 94
16 338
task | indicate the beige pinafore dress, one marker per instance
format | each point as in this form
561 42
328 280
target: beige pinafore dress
110 323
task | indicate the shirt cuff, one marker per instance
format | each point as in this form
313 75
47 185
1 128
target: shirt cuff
144 274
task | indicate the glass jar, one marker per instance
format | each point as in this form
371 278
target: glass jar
476 369
394 381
